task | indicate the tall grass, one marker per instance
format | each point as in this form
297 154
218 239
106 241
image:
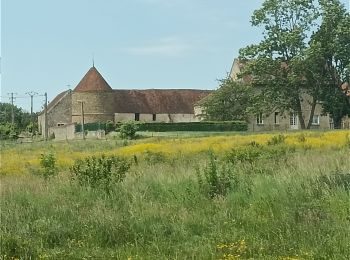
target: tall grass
280 209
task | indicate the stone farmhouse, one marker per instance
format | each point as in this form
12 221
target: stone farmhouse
286 120
101 103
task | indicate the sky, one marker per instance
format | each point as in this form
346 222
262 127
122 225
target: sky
49 45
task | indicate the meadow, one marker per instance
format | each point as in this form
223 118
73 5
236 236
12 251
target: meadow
252 196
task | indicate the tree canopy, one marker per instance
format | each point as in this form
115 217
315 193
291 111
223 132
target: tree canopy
230 102
303 57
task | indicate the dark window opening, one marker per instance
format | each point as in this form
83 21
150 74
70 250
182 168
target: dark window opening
137 116
154 118
277 118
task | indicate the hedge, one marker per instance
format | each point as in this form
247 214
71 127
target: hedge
106 126
192 126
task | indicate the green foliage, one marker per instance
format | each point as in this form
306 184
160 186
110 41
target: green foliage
216 178
253 154
32 127
192 126
288 66
22 118
153 158
8 131
108 126
17 248
100 172
48 165
232 101
128 130
276 139
159 211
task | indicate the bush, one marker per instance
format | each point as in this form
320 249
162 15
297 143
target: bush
8 131
48 164
251 154
191 126
100 172
153 158
216 179
128 130
276 139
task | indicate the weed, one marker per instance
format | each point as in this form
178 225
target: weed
153 158
216 178
276 139
102 171
302 138
48 164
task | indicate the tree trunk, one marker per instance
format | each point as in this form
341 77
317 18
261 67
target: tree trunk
300 113
337 121
312 111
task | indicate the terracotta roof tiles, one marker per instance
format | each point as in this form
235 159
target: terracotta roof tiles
92 81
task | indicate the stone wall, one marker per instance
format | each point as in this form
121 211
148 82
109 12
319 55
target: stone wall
98 106
64 132
284 121
167 118
57 114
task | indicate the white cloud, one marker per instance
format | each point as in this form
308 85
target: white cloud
169 47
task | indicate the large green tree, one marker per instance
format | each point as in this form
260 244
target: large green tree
231 101
21 118
288 65
331 42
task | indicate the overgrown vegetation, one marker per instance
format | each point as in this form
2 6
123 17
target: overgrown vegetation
253 201
128 130
216 178
48 165
23 121
100 172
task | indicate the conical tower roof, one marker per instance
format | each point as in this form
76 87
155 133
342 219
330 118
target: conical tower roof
92 81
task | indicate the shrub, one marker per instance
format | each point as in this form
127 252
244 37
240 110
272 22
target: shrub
276 139
128 130
48 164
153 158
216 179
302 138
100 172
109 126
252 154
8 131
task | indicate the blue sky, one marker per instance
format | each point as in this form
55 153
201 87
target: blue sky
47 45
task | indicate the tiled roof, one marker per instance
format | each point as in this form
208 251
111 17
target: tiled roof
157 101
92 81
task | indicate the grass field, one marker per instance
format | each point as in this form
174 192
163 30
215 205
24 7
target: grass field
278 197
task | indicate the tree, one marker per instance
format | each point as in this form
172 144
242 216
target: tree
230 102
332 44
275 62
22 118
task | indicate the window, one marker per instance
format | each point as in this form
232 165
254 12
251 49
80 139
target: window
277 118
137 116
259 119
154 117
293 119
316 120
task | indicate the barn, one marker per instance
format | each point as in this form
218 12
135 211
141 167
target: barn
94 98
